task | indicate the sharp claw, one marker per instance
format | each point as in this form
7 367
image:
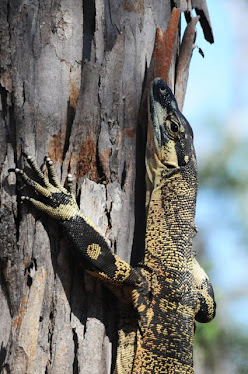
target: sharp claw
30 158
18 171
23 198
49 161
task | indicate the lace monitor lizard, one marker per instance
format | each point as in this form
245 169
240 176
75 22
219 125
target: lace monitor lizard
170 290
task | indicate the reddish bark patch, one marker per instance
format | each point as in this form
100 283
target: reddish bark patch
104 157
86 160
55 147
131 6
130 133
164 45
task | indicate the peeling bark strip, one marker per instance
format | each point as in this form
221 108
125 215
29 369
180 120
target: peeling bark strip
164 46
71 82
185 54
201 10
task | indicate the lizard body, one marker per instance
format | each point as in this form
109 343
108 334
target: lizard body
170 290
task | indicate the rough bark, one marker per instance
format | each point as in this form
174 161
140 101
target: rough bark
72 74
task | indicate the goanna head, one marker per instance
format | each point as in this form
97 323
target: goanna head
170 137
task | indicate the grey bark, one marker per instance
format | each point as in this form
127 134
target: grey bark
71 85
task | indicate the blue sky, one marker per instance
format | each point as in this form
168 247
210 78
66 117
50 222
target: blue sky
209 89
217 93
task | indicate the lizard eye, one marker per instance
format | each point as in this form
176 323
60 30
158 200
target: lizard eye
174 127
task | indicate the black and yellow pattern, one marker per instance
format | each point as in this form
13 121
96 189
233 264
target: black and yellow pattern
180 289
166 294
89 245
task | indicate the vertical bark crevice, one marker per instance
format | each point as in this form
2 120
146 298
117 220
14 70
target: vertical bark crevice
89 14
3 94
3 352
8 116
50 336
75 362
70 118
124 174
110 29
3 132
140 194
108 215
99 167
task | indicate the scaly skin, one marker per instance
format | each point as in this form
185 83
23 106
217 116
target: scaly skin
160 300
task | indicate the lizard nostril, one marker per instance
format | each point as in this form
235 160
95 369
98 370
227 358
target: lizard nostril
161 84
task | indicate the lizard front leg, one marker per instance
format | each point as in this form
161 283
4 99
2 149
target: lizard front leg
205 294
88 244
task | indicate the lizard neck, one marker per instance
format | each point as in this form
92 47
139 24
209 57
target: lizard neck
171 219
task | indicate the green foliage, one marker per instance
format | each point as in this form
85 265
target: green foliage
224 171
239 352
219 344
207 334
226 167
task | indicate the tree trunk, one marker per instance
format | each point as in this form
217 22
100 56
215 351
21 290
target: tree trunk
71 86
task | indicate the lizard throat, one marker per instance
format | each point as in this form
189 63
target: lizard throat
170 221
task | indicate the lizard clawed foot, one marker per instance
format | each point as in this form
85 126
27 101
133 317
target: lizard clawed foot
59 202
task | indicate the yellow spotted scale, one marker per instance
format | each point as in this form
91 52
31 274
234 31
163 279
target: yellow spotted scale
160 300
